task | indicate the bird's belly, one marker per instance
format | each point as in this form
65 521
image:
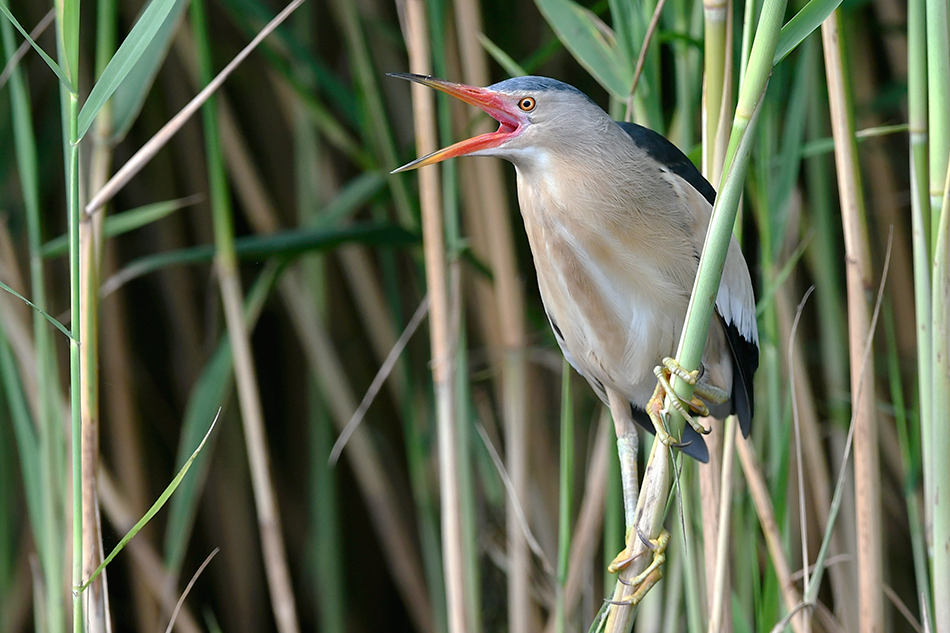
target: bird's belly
615 322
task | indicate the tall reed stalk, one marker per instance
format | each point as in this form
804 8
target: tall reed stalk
442 335
68 37
867 474
252 416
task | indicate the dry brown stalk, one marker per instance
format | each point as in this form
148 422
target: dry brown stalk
442 335
497 238
773 537
867 475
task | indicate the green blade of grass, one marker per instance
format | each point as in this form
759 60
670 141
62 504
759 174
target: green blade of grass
566 503
211 392
56 68
768 295
590 44
124 60
159 503
940 430
282 244
124 222
504 60
59 326
130 94
803 24
786 173
350 198
826 145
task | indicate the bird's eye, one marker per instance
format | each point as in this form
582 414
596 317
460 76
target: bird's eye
527 104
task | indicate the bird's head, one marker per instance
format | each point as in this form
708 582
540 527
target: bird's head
535 115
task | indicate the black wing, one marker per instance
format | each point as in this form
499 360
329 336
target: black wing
745 360
665 153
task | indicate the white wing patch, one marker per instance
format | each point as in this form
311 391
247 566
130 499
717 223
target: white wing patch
735 301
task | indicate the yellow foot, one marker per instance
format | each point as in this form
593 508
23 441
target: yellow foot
644 581
663 388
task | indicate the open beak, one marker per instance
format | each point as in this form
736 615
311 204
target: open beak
494 103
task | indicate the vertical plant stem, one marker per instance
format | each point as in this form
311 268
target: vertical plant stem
720 592
650 512
90 246
75 385
455 246
566 504
499 243
698 315
910 449
867 473
68 29
714 83
325 534
825 269
920 232
95 598
759 491
717 103
938 94
440 331
380 137
613 506
252 417
941 402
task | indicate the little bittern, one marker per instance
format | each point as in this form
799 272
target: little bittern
616 217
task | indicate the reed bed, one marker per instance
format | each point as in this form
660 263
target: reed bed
198 223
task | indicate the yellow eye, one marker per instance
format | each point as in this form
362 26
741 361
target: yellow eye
527 104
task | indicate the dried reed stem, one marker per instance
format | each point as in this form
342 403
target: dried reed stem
443 339
252 415
867 473
650 512
489 189
710 492
720 613
90 246
773 536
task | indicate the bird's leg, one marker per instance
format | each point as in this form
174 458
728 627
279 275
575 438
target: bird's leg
645 580
700 390
627 446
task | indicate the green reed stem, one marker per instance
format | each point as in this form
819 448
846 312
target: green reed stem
566 502
705 290
940 432
68 29
921 230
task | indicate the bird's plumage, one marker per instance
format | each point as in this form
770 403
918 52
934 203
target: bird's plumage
616 217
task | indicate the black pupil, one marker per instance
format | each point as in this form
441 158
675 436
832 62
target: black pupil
526 103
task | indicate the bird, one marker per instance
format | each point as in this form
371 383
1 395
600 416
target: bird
616 217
